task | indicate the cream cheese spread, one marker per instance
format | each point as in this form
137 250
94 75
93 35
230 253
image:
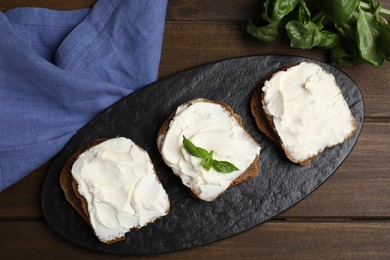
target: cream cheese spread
308 110
210 126
118 181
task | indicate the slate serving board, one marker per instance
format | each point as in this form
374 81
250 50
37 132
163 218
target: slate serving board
191 222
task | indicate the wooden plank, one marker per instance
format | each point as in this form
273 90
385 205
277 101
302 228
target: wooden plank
360 188
220 10
272 240
206 10
187 45
51 4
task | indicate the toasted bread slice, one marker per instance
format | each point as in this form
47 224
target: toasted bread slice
250 172
70 187
266 121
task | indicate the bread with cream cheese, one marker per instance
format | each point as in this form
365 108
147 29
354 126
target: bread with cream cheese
200 130
70 186
305 112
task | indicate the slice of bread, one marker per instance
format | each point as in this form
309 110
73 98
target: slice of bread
251 171
265 121
69 185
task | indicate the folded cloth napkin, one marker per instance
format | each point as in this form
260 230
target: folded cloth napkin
59 69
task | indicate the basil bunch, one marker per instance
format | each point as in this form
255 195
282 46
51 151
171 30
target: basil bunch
207 158
354 31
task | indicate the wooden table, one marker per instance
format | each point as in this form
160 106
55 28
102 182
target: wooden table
347 217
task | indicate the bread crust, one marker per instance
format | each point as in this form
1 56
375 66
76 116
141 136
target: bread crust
70 188
251 172
266 125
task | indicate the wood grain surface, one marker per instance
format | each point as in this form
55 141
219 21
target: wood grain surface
348 217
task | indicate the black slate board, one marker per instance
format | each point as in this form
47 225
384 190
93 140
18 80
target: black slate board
191 222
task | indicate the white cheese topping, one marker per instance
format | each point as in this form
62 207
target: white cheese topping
117 179
207 125
308 110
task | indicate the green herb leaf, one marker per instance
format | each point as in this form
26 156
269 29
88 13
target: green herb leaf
367 38
303 35
303 12
353 30
347 30
207 162
340 56
329 40
384 40
194 150
281 8
267 33
224 166
338 10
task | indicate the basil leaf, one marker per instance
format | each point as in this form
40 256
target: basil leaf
267 33
303 35
207 162
377 10
354 30
328 39
340 56
281 8
303 12
194 150
224 166
266 9
273 13
338 10
347 30
368 37
384 40
347 52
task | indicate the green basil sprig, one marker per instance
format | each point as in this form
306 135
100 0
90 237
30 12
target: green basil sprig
354 31
207 158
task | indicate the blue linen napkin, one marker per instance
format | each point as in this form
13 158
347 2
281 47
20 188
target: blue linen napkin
59 69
